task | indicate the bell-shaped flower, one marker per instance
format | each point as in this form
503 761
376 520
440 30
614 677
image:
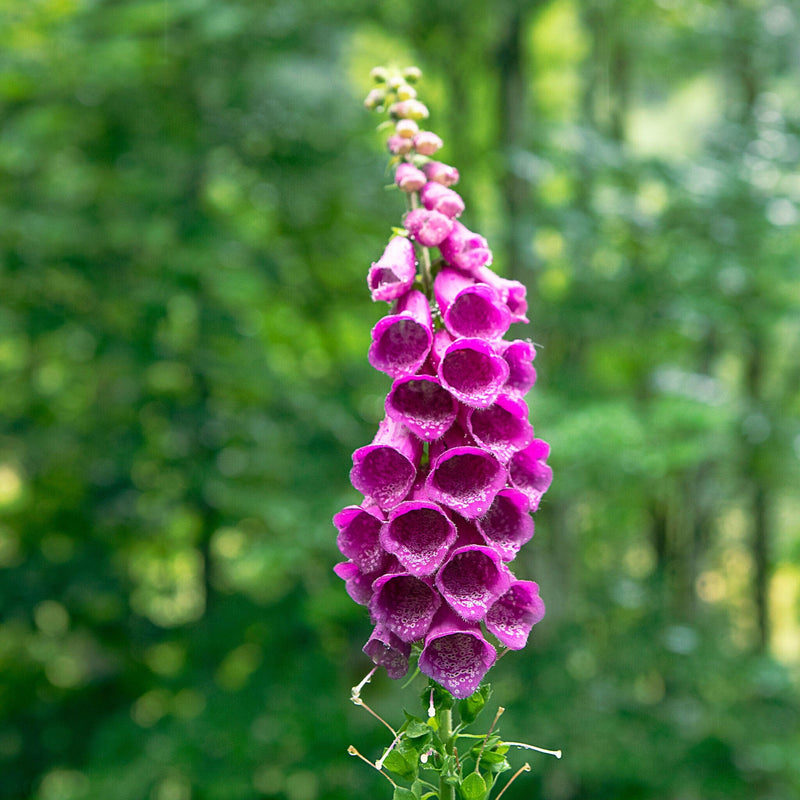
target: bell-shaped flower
466 479
401 341
473 372
470 309
507 525
441 173
384 471
404 604
409 178
429 228
359 536
513 615
455 654
471 579
419 534
392 275
464 249
512 293
423 405
528 472
358 584
436 197
387 650
502 428
518 355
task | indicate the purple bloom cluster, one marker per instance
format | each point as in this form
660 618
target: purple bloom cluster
454 471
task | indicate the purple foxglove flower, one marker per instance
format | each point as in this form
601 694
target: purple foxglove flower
419 534
519 356
409 178
384 471
404 604
470 309
456 655
393 274
502 428
441 173
473 372
528 472
401 341
512 293
423 405
436 197
464 249
399 145
465 479
507 525
429 228
358 584
387 650
426 143
513 615
471 579
359 537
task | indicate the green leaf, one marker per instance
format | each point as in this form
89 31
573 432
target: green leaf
416 789
473 787
401 793
471 706
417 728
400 764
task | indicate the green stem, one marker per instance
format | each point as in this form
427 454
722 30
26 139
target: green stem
446 790
427 282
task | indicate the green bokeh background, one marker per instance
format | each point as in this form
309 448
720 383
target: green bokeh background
190 196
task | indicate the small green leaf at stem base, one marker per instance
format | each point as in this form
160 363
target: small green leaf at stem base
403 794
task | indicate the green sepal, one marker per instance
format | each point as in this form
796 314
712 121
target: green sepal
473 787
471 706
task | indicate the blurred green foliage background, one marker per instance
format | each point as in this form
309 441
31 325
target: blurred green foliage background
190 196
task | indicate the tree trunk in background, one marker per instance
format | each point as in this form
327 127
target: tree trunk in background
744 87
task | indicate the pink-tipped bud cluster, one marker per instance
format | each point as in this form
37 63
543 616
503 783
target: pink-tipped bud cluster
454 472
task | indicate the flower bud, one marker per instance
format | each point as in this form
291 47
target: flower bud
379 74
441 173
412 74
374 99
439 198
399 145
409 109
429 228
426 143
395 82
406 92
407 128
409 178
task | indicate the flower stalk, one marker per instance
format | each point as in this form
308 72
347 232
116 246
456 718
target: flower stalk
452 475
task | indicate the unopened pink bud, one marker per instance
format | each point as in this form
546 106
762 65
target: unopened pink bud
407 128
399 145
441 173
427 143
409 178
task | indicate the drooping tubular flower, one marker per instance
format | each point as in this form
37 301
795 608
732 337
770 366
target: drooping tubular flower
454 472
